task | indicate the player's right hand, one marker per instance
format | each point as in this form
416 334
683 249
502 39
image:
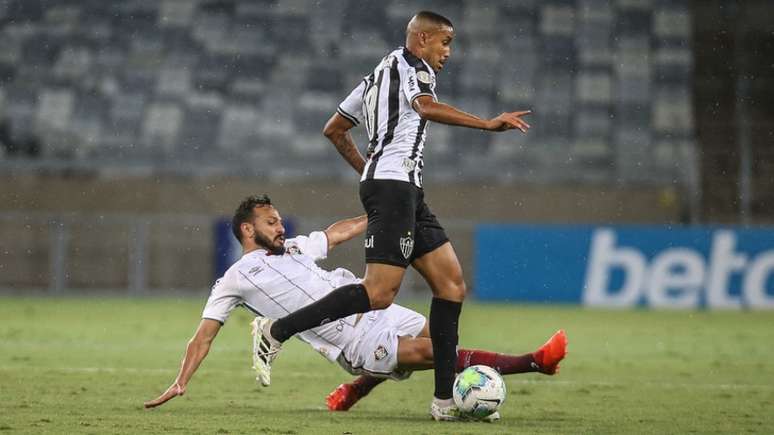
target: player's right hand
173 391
509 121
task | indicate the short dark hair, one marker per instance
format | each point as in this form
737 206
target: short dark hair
244 212
435 18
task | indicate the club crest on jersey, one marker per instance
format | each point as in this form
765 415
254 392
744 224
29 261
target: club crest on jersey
409 165
380 353
424 77
292 250
407 245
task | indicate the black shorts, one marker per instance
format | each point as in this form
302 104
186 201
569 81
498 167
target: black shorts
401 226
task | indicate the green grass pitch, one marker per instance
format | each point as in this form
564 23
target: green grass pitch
86 365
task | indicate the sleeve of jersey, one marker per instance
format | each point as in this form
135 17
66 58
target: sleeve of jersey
417 82
222 301
314 245
352 106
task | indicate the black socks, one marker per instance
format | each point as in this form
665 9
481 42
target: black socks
444 323
342 302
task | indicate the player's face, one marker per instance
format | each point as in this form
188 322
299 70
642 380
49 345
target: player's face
438 47
269 233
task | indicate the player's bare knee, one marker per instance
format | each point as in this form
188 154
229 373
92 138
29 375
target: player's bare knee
452 290
457 284
381 300
381 294
461 290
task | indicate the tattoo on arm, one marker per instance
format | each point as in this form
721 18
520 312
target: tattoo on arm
347 148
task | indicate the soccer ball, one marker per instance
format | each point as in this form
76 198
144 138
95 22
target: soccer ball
479 391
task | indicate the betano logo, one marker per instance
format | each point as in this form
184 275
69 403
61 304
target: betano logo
677 277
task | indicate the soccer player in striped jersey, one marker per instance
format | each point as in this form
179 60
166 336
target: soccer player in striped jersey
276 276
395 102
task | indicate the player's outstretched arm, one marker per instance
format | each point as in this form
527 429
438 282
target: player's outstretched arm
197 349
432 110
337 131
346 229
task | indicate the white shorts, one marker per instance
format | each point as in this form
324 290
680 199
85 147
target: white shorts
374 351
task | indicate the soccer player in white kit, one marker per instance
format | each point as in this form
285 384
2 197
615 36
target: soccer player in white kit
276 276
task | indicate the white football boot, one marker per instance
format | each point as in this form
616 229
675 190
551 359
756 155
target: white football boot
491 418
265 349
444 410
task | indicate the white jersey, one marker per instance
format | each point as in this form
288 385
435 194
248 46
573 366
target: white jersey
276 285
396 133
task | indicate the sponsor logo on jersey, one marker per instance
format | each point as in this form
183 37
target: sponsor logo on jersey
411 83
407 245
380 353
369 242
254 271
424 77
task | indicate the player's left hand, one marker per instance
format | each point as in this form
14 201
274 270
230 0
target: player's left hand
510 121
173 391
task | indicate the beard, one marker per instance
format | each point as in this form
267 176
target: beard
268 244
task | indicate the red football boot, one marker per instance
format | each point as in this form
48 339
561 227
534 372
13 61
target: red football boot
342 398
548 355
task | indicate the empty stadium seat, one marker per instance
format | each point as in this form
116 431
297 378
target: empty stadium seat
224 79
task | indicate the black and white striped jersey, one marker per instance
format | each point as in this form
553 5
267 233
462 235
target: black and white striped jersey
396 133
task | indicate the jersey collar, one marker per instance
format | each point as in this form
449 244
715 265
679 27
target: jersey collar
415 61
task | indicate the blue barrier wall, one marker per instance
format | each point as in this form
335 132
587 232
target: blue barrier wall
626 266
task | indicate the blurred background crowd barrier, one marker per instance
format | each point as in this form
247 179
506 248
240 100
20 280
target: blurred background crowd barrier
128 128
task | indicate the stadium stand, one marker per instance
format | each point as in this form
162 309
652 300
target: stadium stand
250 83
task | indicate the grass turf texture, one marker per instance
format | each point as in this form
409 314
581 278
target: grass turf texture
86 366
